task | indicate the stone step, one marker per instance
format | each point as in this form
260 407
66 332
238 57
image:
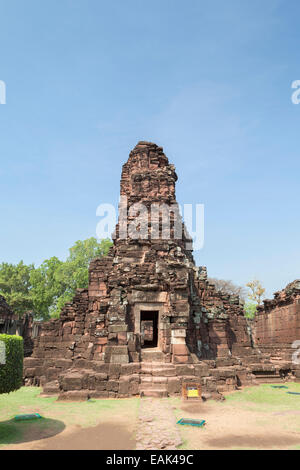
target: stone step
158 369
146 368
164 371
155 379
153 386
152 356
157 365
154 393
51 388
146 378
268 378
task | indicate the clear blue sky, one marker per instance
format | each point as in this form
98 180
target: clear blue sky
210 81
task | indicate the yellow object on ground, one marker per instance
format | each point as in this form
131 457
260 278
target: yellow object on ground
193 393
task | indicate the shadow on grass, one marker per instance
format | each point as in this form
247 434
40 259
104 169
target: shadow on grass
17 432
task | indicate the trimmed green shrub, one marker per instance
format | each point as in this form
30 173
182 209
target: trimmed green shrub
11 363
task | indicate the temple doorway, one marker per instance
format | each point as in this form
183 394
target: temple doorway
149 329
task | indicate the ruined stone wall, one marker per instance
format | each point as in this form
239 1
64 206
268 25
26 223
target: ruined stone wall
227 333
277 323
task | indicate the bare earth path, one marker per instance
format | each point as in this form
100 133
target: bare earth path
157 427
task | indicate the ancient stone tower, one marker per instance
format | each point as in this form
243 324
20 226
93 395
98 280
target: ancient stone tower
149 319
148 277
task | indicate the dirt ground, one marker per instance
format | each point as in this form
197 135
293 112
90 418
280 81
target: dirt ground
254 418
98 424
230 427
105 436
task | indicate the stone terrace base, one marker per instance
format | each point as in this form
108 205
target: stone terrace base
91 379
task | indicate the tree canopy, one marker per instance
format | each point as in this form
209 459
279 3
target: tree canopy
251 299
15 286
228 287
45 289
255 298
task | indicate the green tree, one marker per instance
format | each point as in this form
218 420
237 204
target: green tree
73 273
250 309
15 286
46 287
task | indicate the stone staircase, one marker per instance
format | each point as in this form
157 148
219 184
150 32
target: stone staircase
154 378
152 355
266 373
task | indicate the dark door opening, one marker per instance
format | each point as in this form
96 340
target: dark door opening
149 329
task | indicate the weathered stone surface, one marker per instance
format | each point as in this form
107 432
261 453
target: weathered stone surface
146 290
276 327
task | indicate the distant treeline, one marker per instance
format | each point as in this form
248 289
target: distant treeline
44 290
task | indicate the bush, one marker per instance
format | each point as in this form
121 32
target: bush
250 310
11 363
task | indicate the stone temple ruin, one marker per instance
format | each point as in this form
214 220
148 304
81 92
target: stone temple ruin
149 320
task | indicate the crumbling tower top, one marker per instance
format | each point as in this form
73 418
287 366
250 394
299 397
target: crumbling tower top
148 176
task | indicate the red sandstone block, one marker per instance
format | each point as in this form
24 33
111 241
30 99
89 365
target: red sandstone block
63 363
124 388
185 370
101 341
30 372
174 385
201 370
112 385
134 388
131 368
114 370
72 382
102 287
100 367
76 395
180 350
101 386
98 394
181 359
134 357
32 361
122 338
52 373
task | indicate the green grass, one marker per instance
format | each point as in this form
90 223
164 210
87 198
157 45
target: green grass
266 398
56 414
